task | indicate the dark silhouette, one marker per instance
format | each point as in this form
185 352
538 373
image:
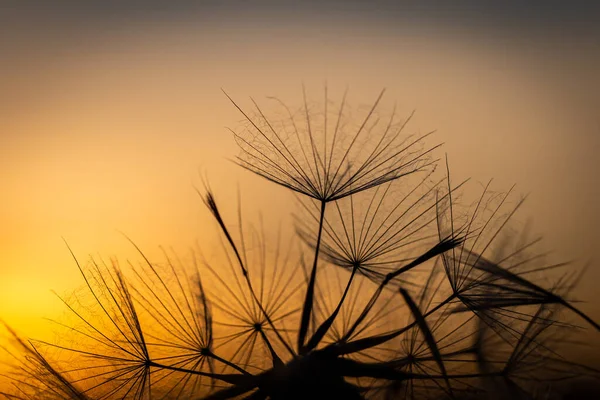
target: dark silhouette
407 292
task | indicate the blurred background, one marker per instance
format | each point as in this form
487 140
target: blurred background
111 114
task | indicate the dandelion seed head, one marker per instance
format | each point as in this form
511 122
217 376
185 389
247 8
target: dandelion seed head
328 152
377 230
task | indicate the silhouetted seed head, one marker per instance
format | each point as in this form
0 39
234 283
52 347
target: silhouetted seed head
327 153
375 231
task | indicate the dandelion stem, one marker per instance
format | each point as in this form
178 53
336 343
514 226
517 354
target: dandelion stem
440 248
344 348
228 363
316 338
229 378
310 291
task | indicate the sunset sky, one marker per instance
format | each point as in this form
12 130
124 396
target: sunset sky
111 114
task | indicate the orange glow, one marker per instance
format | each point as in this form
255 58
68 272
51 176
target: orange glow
114 137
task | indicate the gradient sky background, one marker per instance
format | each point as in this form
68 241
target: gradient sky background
109 110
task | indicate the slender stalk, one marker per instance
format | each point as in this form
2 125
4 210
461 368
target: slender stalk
310 291
276 360
228 363
439 248
322 330
268 319
342 348
229 378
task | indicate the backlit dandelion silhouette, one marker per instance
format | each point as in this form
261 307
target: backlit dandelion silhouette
416 294
327 155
